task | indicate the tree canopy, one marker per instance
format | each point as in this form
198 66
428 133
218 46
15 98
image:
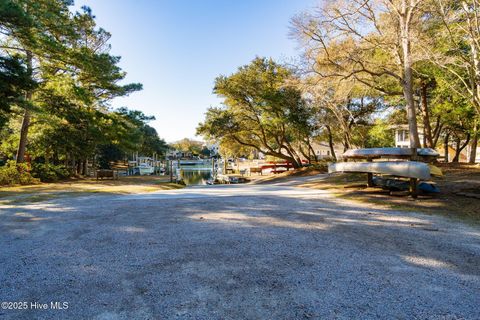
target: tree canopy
57 79
261 110
365 67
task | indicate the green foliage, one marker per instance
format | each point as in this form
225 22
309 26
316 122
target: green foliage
380 135
13 174
75 75
49 172
262 110
14 79
137 135
12 16
69 57
188 145
108 153
425 62
321 165
151 142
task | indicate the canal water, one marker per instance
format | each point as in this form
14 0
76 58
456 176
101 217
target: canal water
195 177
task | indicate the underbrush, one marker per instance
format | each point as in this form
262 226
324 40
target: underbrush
49 172
321 166
14 174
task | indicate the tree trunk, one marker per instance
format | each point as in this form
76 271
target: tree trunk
310 150
346 143
437 131
294 154
55 157
47 156
427 128
73 167
473 150
407 84
305 155
445 146
330 143
460 147
22 144
474 144
457 150
411 113
84 167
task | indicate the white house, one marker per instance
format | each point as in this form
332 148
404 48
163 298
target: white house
402 136
402 140
322 150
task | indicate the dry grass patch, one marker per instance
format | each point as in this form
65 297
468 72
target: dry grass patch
279 177
458 179
82 187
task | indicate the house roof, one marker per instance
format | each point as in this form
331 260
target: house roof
403 126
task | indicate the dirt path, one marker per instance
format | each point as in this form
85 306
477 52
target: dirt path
232 252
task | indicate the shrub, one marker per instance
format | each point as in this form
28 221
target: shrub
12 173
49 172
322 165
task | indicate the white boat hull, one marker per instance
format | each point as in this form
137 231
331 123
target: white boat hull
144 171
388 152
408 169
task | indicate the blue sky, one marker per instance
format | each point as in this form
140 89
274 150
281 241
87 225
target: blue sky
176 48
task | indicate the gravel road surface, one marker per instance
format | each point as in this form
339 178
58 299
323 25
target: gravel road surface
234 252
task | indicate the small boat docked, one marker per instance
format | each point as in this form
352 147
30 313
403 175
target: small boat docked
145 169
229 179
408 169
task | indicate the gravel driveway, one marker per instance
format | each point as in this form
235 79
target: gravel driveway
234 252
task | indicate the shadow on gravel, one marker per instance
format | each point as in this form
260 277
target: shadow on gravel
242 256
390 231
413 238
